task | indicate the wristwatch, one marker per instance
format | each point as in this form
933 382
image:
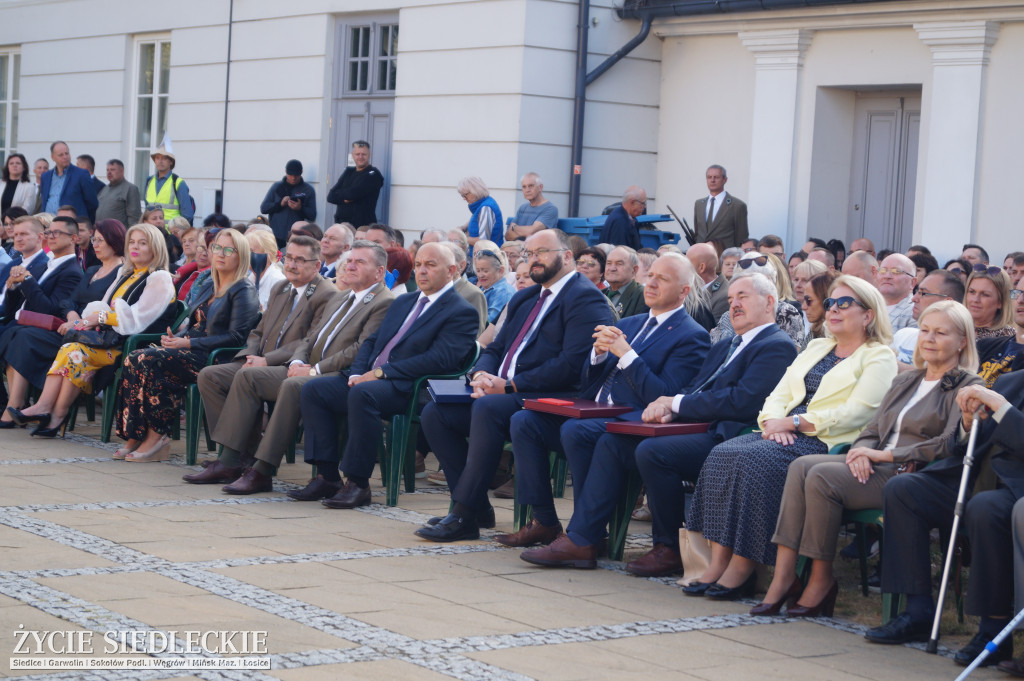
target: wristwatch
379 373
796 422
509 387
312 371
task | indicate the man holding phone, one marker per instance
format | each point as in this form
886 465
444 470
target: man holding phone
288 201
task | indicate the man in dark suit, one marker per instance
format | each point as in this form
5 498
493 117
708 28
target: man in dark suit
633 364
728 391
28 242
620 227
720 215
430 331
330 347
87 163
295 306
624 291
538 352
917 502
705 263
67 185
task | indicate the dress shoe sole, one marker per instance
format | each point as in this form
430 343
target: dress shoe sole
339 505
423 533
898 640
582 564
219 480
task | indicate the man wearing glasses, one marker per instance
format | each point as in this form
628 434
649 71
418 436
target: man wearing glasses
896 284
620 227
938 285
295 306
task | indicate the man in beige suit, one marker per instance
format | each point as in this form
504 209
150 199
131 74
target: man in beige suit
329 348
472 294
294 308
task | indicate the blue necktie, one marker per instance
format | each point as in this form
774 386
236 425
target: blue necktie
606 389
735 343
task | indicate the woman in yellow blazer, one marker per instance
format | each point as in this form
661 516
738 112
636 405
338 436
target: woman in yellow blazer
827 396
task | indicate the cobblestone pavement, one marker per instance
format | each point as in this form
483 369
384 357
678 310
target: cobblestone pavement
92 544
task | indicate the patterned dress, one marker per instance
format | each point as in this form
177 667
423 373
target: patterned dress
739 490
154 381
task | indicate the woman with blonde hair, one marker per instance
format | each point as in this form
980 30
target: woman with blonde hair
485 220
827 395
988 301
917 419
262 242
154 379
141 300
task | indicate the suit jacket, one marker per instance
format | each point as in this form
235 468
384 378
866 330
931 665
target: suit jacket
729 225
438 342
667 359
230 318
929 427
79 190
15 297
620 229
718 292
630 300
551 359
475 297
731 402
308 313
360 324
998 452
848 396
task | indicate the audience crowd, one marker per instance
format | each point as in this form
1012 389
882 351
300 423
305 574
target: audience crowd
832 379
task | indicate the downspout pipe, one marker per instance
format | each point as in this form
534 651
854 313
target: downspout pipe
583 79
219 201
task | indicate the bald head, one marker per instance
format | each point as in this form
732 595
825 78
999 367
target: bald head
704 259
862 265
896 278
435 267
863 244
668 283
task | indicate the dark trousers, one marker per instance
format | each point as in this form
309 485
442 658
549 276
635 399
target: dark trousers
326 400
664 463
468 440
612 463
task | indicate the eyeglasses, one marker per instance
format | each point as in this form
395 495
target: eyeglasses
1015 293
50 233
842 303
228 251
541 252
97 240
292 260
586 263
893 271
760 261
993 271
956 270
924 293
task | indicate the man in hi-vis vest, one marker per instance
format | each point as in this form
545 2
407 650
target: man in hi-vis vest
167 190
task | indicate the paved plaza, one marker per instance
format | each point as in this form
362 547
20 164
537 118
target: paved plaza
91 544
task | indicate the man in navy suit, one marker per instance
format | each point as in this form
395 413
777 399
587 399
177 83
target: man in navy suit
645 357
430 331
620 227
43 290
538 352
728 391
67 185
28 241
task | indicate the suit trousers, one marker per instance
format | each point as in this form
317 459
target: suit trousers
215 385
1018 553
988 520
612 462
240 410
664 464
468 440
534 435
818 488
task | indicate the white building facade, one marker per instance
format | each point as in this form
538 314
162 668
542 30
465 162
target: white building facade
896 120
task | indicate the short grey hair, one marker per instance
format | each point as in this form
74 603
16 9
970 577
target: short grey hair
380 256
715 166
633 192
765 269
441 234
734 252
535 177
473 185
457 252
762 284
634 260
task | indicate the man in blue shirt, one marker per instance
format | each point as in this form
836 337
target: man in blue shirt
67 185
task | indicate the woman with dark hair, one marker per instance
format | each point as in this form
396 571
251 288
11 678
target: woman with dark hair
959 267
925 264
16 189
28 350
590 263
813 303
838 250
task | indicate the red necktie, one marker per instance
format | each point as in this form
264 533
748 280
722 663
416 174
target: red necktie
523 331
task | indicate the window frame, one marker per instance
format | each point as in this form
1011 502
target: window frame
374 60
132 163
11 104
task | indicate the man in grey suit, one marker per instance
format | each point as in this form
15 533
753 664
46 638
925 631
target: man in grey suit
720 215
349 319
295 306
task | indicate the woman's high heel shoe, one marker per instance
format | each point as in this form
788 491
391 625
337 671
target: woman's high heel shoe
25 419
789 599
52 432
160 452
823 609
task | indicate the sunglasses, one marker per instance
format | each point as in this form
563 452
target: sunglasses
993 271
842 303
760 261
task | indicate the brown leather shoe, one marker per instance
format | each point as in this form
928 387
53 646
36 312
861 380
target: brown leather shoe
1015 667
562 552
214 474
507 490
251 482
530 534
660 561
349 496
317 489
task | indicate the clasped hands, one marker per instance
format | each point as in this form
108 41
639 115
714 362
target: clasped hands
610 339
484 383
172 342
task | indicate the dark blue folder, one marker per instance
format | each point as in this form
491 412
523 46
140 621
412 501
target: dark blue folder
449 391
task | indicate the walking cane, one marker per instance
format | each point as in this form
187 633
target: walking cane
992 645
958 511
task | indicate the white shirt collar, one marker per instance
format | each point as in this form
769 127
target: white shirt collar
436 294
663 317
57 262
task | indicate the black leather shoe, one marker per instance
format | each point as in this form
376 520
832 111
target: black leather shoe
697 588
725 593
50 432
7 425
25 419
350 495
970 652
484 520
901 629
451 528
317 489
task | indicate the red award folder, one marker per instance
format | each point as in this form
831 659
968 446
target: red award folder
40 320
655 429
576 409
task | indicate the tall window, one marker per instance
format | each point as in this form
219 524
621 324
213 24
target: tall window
371 59
152 83
10 76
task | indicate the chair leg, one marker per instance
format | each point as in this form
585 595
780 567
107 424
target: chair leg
521 512
559 469
73 414
191 424
621 515
862 555
409 462
394 452
90 408
109 403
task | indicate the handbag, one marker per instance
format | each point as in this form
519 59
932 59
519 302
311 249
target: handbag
39 320
695 551
101 339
